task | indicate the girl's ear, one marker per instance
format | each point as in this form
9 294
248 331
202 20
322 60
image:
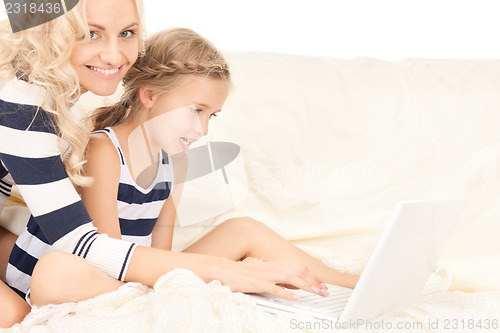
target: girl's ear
147 97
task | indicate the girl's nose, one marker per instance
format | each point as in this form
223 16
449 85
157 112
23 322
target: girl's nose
201 126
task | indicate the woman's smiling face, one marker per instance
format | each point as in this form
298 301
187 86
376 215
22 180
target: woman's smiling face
102 62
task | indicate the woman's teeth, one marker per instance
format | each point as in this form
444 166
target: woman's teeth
105 71
186 142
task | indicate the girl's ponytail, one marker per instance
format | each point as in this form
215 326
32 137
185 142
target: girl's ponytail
109 116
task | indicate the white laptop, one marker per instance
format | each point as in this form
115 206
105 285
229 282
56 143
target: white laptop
396 272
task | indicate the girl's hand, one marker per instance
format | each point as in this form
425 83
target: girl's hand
254 275
252 259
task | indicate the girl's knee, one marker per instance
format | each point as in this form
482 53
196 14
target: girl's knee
53 272
56 265
248 230
245 224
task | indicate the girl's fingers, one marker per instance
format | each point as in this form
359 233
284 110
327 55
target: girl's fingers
256 275
251 259
287 286
306 280
300 277
281 292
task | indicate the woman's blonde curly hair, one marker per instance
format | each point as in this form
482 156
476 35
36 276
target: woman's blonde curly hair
41 55
169 57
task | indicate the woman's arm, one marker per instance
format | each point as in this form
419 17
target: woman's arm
31 153
103 165
148 264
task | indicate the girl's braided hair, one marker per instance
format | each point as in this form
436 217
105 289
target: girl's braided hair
169 57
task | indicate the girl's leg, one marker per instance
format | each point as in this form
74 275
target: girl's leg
60 277
12 307
239 238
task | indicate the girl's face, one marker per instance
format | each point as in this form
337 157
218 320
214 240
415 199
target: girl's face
102 62
181 117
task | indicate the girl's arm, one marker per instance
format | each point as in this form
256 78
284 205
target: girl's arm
255 276
103 165
164 227
148 264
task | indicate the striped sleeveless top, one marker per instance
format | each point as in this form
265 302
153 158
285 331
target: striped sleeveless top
138 208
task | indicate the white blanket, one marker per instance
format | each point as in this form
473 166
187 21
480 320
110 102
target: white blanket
181 302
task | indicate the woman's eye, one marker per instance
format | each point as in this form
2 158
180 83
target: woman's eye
93 35
196 110
127 33
213 115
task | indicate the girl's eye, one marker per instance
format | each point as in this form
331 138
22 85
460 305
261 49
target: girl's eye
198 111
93 35
127 33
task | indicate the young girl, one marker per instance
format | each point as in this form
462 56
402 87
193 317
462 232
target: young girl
170 94
43 71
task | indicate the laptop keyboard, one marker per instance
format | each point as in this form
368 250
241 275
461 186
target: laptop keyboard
332 305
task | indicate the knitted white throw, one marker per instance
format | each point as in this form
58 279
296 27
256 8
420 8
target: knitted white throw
181 302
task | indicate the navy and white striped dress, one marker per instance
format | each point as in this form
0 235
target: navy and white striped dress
138 208
29 151
6 183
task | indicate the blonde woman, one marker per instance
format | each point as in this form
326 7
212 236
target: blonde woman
43 71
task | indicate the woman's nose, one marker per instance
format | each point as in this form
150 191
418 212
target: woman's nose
111 53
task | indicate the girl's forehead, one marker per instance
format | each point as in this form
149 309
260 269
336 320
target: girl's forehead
202 81
197 91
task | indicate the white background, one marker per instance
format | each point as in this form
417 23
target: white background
386 29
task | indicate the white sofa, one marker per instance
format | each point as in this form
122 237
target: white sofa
330 146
